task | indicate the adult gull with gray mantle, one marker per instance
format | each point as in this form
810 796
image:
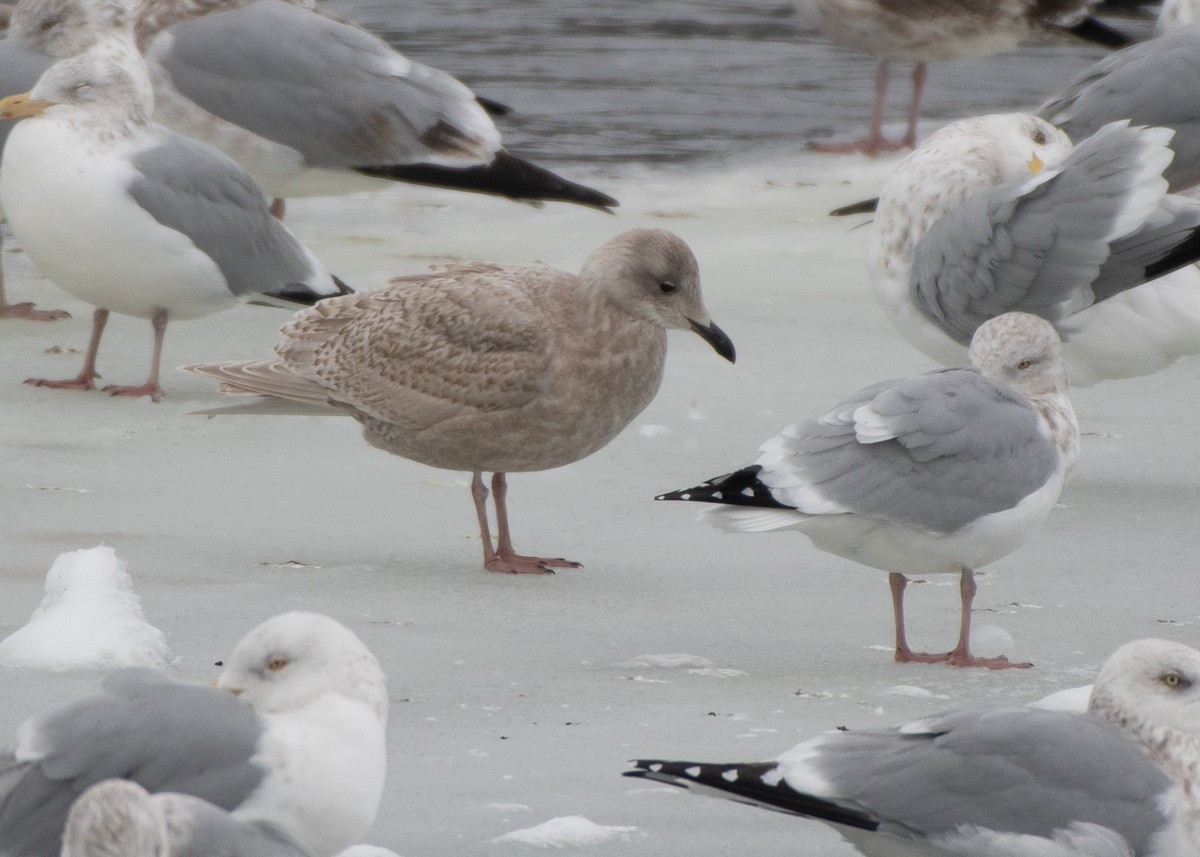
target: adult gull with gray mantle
1152 83
137 219
939 473
1117 781
311 105
119 818
494 368
290 740
999 213
922 31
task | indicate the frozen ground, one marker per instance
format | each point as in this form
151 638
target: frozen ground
518 700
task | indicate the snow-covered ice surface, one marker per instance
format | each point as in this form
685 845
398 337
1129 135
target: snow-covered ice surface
89 618
516 700
567 831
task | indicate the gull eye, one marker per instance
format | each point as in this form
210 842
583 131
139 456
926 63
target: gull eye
46 26
1171 679
1024 364
1039 137
276 662
668 288
81 88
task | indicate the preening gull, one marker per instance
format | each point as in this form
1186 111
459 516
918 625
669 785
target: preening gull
137 219
999 213
1150 83
943 472
312 105
496 368
922 31
1118 781
119 818
292 737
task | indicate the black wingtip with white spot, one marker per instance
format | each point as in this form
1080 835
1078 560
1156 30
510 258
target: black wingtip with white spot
741 488
1184 253
750 783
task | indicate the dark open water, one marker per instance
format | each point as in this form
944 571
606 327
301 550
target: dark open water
685 82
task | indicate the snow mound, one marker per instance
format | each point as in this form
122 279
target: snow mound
567 830
366 851
90 618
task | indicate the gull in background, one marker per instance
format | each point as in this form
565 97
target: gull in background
999 213
939 473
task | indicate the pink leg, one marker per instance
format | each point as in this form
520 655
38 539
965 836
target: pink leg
278 207
920 72
503 558
87 375
25 310
874 142
150 388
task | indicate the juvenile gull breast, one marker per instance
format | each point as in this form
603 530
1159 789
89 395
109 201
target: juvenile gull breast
494 368
936 473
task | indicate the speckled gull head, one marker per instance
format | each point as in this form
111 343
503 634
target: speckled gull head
1022 351
65 28
1150 684
114 818
295 658
652 274
92 85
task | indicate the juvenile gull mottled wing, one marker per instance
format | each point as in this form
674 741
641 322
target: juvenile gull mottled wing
1151 83
143 726
1095 225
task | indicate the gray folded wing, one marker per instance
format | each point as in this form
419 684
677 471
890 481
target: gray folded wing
143 726
1153 83
948 447
194 189
1015 770
196 828
332 91
1095 225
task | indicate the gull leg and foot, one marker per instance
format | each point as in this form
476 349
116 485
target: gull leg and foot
25 310
85 380
919 73
960 655
503 558
150 388
278 208
875 142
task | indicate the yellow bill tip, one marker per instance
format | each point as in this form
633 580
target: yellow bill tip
1035 163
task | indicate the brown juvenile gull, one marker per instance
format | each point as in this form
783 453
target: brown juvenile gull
921 31
495 368
1017 781
939 473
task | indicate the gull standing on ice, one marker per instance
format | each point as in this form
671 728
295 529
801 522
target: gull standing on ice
494 368
940 473
119 818
1153 83
137 219
291 739
999 213
921 31
311 105
1118 781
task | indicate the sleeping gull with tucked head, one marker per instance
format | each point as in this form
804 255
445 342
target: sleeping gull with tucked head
494 368
920 31
943 472
137 219
1000 213
1118 781
291 740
